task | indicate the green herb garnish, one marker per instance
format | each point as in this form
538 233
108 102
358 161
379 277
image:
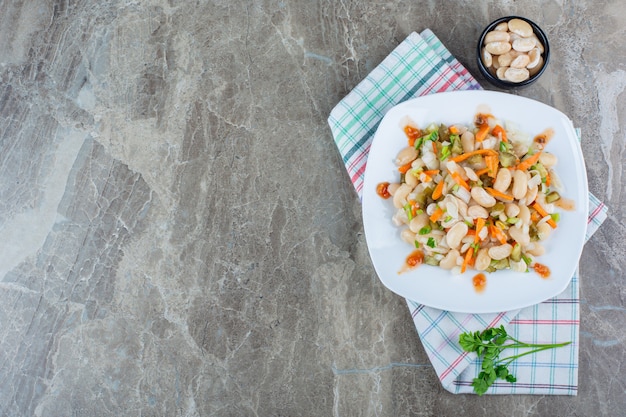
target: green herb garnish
431 242
445 152
488 345
425 230
409 211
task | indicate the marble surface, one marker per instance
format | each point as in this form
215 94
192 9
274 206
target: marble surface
179 236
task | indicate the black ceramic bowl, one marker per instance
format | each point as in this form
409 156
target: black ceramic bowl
490 76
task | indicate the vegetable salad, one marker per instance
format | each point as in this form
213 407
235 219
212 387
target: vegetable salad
480 197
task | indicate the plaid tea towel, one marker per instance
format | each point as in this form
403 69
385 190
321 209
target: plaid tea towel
421 65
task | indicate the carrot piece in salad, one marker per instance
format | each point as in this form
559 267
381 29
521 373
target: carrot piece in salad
453 130
438 191
496 233
482 132
543 213
405 168
492 165
467 259
467 155
498 131
480 223
498 194
457 178
427 176
436 214
412 133
528 162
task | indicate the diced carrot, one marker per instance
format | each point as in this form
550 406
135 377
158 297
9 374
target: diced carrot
482 171
467 258
427 176
528 162
492 164
535 217
498 194
457 178
434 147
548 180
405 168
498 131
438 191
466 155
453 130
436 214
472 260
496 233
412 133
480 223
543 213
481 134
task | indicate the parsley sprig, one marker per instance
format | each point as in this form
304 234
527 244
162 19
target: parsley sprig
489 344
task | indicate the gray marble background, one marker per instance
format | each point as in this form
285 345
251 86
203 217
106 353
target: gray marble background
178 236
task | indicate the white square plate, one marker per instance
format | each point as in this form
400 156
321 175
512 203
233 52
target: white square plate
439 288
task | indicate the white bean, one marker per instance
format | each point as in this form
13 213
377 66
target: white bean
535 249
532 71
538 43
481 197
503 180
498 48
519 266
511 209
519 235
547 159
418 222
531 195
471 174
501 73
408 236
521 61
521 27
399 197
449 261
516 75
520 184
505 60
393 187
467 141
406 155
475 211
500 252
524 44
533 55
524 214
455 234
410 179
543 230
486 57
496 36
482 259
504 26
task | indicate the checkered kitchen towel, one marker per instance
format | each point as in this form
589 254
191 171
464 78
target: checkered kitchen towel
421 65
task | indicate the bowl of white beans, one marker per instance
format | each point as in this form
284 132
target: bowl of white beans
512 52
